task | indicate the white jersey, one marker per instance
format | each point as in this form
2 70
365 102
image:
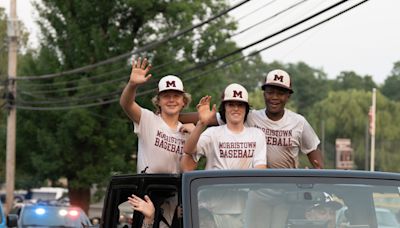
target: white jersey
160 147
227 150
285 137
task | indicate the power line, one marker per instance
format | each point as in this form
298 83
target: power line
310 27
268 18
96 76
259 8
107 73
124 77
142 49
205 72
265 38
111 81
78 87
276 43
80 99
76 106
66 107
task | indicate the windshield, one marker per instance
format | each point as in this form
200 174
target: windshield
300 204
53 216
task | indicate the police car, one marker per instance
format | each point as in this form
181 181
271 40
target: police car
2 217
47 214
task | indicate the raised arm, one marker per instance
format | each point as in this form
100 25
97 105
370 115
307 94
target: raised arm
208 115
203 109
139 75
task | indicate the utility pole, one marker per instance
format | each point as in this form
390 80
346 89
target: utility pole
13 33
323 138
366 147
372 119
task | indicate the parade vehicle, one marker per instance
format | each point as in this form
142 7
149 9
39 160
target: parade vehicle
284 198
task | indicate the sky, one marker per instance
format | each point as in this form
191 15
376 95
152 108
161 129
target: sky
365 40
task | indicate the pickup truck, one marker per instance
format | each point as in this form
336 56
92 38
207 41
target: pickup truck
256 198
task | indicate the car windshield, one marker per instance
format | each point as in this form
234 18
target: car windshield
52 216
304 202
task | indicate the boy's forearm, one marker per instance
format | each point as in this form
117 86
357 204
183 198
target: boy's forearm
191 142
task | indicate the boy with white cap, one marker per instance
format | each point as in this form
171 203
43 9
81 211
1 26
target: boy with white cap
160 134
287 133
230 146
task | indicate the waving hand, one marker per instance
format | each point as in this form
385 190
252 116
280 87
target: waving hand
140 70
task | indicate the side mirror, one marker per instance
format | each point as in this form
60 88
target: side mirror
12 220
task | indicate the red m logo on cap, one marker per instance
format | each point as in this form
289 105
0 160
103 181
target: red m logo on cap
237 94
169 84
278 78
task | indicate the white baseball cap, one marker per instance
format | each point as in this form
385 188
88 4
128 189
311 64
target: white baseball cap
170 82
235 92
278 78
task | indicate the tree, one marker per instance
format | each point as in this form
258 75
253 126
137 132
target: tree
348 80
345 115
309 84
391 84
87 145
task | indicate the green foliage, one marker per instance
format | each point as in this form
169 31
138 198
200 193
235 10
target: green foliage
310 86
344 114
348 80
256 99
391 85
87 145
347 109
387 134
